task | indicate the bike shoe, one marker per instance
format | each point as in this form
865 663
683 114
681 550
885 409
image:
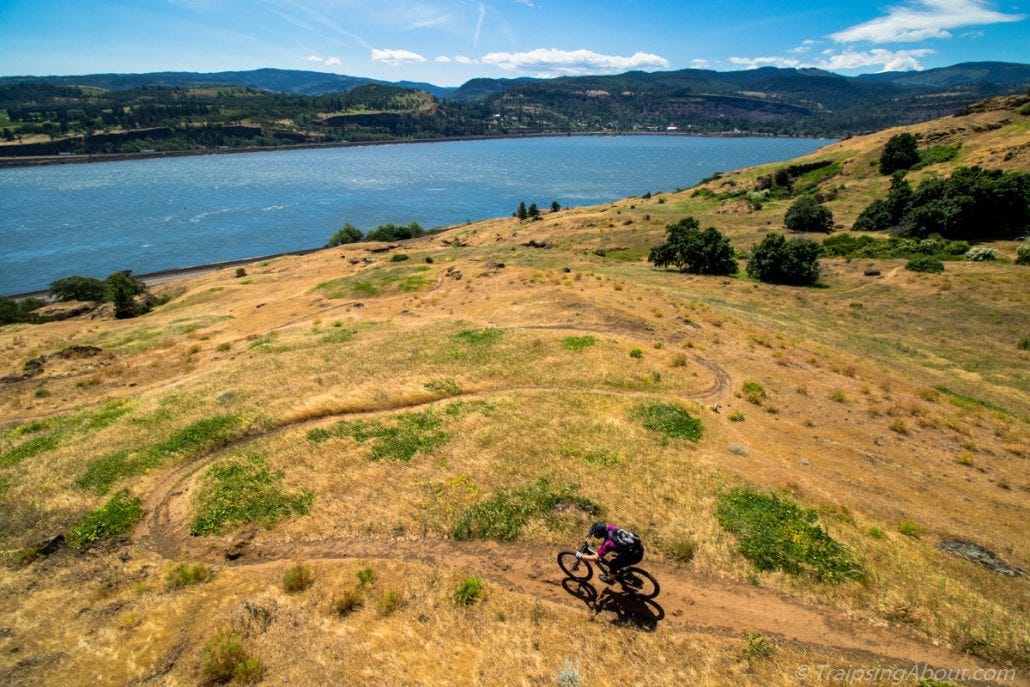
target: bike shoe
605 579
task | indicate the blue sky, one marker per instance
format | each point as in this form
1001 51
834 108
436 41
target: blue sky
447 42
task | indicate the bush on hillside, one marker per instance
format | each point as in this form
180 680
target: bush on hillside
23 310
973 204
1023 254
688 248
392 232
122 289
900 153
925 263
806 215
981 254
779 261
348 233
77 288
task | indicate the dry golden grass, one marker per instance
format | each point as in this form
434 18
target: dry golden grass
285 360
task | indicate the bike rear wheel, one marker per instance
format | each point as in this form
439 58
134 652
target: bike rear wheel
574 567
639 582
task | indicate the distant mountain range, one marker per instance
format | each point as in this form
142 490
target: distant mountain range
171 111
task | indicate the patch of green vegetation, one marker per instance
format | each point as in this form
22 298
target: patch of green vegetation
851 245
507 511
243 490
389 602
578 343
297 579
267 344
192 440
5 485
909 529
627 254
756 646
777 534
338 335
636 353
459 408
377 282
443 387
813 178
601 457
225 660
478 337
925 263
669 420
964 401
115 517
681 549
470 591
936 155
187 574
753 392
407 435
52 431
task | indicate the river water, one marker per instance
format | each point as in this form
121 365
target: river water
149 215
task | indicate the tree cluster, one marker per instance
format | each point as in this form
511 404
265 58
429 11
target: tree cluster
900 153
779 261
688 248
806 215
973 204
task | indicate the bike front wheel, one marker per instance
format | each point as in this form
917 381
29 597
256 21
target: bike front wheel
639 582
575 568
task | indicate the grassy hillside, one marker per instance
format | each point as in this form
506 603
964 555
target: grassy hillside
295 475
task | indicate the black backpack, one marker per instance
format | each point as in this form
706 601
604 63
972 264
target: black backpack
625 538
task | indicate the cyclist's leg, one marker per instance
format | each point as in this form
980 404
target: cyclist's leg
625 559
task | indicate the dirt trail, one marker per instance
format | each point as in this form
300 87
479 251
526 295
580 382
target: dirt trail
688 601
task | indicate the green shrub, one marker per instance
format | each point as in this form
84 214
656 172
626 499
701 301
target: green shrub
737 417
348 603
900 153
636 353
114 518
185 575
756 646
925 263
670 420
806 215
76 288
224 660
876 533
469 591
578 343
935 155
1023 254
754 392
689 249
392 232
981 254
779 261
444 387
389 602
777 534
366 576
244 490
507 511
909 529
399 257
346 234
297 579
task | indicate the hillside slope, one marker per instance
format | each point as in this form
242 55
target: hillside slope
399 425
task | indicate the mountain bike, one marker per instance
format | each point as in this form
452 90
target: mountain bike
633 580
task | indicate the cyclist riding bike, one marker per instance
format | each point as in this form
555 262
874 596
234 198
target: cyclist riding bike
626 546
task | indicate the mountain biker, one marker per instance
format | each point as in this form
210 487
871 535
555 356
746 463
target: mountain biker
626 546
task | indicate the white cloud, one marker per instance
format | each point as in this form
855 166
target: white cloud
923 19
756 62
887 60
551 62
699 63
443 59
527 3
327 61
430 23
395 58
462 59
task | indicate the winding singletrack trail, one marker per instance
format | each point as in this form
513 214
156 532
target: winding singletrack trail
688 601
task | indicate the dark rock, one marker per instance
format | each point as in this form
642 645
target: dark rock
872 273
534 244
566 270
80 352
239 547
240 272
978 554
51 545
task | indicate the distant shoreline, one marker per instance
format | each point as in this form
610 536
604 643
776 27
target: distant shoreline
83 158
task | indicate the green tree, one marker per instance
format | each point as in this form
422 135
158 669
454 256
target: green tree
392 232
77 288
348 233
554 206
533 211
779 261
900 153
521 212
806 215
122 288
689 249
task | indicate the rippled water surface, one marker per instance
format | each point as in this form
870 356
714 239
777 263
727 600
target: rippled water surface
148 215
